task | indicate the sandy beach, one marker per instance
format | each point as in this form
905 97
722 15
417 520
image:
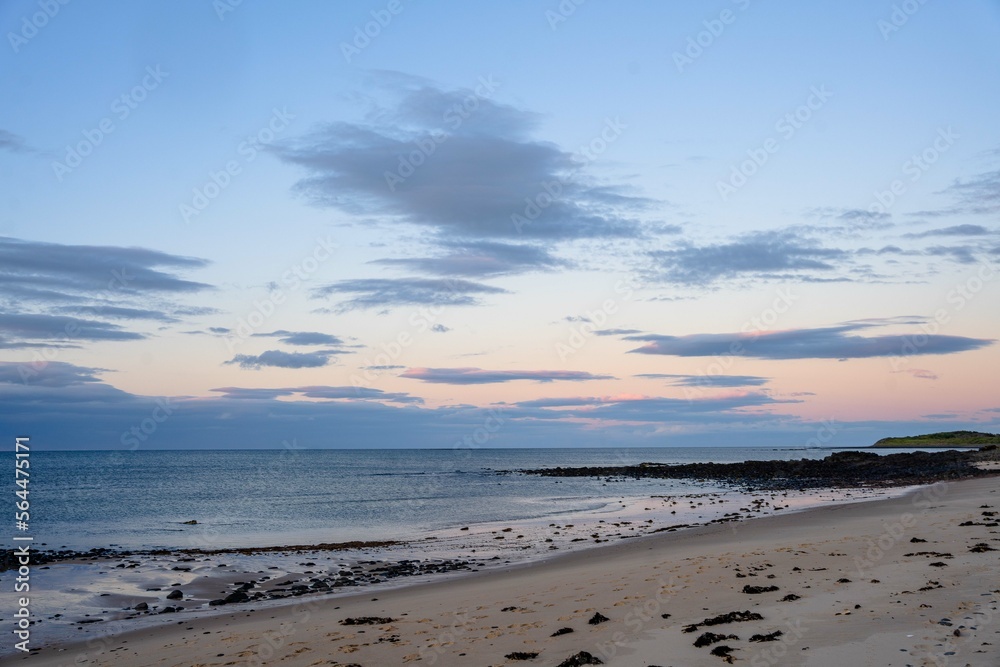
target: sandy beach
905 581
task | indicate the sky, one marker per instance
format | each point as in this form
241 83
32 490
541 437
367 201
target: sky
395 224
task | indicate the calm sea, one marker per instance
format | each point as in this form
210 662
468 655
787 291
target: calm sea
280 497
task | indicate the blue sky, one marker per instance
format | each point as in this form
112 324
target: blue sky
380 223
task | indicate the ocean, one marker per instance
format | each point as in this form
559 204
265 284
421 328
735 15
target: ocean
142 499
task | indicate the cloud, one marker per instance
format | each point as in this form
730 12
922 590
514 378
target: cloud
616 332
17 330
48 374
420 159
480 259
979 194
73 269
961 254
319 391
708 380
279 359
755 255
480 376
41 282
300 337
919 373
715 409
118 312
822 343
78 412
955 230
848 220
386 293
13 143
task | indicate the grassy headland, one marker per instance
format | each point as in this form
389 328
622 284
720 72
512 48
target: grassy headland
946 439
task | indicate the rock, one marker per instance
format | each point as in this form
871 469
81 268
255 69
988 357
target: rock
368 620
237 596
192 522
561 631
580 659
756 590
791 597
709 638
521 655
769 637
731 617
142 606
598 618
175 595
724 651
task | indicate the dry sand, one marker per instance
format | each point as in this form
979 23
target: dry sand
868 595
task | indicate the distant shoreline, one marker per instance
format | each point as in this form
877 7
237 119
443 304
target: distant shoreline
945 440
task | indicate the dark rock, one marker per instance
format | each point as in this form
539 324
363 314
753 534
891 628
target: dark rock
724 652
561 631
769 637
142 606
731 617
580 659
791 597
521 655
175 595
756 590
839 470
709 638
368 620
598 618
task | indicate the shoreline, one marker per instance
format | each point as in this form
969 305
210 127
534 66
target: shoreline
698 542
110 593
